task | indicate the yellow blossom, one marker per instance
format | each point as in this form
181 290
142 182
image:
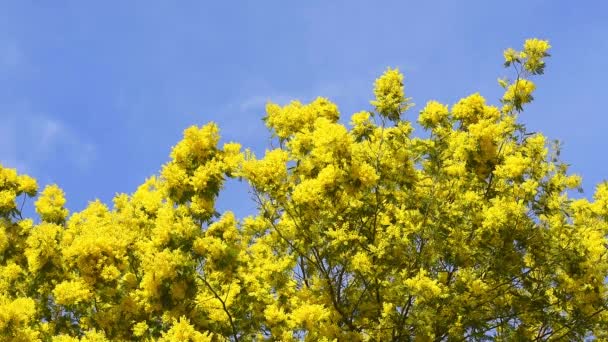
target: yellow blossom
390 99
71 292
50 205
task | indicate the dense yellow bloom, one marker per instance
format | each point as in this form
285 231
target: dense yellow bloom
89 336
535 50
520 92
3 239
363 233
28 185
232 157
13 185
423 287
532 56
470 109
182 331
43 246
510 55
433 114
8 177
16 313
7 201
309 315
528 62
390 99
514 166
197 146
16 318
140 329
361 124
269 172
71 292
50 205
294 117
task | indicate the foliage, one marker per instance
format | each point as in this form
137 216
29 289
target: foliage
364 233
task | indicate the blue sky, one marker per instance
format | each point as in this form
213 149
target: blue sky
93 95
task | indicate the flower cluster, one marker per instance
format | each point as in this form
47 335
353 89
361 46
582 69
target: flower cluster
363 233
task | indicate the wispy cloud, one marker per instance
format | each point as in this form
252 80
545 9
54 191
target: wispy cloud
29 141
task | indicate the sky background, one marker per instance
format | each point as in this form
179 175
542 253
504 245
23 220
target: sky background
93 95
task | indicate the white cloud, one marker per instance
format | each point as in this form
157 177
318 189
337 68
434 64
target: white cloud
50 130
29 141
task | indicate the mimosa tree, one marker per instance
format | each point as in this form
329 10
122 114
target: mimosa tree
364 232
